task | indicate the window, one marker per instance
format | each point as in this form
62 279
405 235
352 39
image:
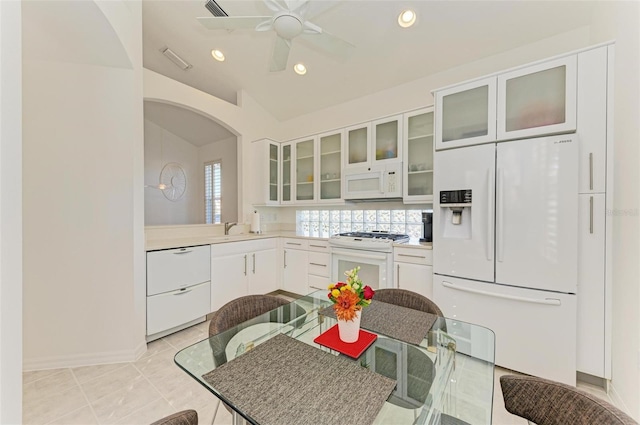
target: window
324 223
212 191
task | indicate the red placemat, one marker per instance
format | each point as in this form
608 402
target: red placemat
331 339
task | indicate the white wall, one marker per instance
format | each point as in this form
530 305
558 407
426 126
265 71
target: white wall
160 148
227 151
83 190
621 21
10 214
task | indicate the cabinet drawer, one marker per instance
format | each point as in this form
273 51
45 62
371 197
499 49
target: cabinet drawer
319 246
173 269
318 282
319 264
293 243
413 256
171 309
242 247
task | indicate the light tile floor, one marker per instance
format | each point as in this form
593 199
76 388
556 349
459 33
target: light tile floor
151 388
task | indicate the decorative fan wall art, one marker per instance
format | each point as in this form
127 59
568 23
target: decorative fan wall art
174 180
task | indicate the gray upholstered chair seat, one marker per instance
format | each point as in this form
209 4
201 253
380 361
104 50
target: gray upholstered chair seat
547 402
185 417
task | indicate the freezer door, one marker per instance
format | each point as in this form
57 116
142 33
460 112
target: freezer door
535 330
463 236
537 213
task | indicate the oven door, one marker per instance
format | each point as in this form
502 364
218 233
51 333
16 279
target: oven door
375 267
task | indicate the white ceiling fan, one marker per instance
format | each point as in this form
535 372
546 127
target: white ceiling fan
288 21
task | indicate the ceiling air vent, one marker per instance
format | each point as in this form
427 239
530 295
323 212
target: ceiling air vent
215 8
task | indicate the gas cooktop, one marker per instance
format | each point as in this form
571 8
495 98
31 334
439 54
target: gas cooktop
394 237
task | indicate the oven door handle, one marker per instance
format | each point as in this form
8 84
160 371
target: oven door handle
359 254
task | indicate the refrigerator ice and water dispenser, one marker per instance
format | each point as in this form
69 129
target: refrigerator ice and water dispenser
456 212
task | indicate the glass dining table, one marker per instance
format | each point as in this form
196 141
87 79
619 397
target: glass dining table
448 378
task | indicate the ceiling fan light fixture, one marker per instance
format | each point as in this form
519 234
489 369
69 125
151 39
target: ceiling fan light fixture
407 18
300 69
217 55
287 26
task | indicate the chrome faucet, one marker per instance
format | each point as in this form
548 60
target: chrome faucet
228 226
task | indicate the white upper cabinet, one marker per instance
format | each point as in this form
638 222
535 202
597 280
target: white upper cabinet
466 114
418 156
304 157
358 141
288 169
537 100
330 166
386 135
373 143
267 152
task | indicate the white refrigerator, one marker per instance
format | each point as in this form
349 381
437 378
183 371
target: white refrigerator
505 247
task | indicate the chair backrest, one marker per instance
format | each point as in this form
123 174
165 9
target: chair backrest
242 310
548 402
185 417
407 299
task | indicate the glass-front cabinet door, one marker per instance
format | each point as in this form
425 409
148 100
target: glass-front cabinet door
274 172
358 141
387 139
287 195
538 99
466 114
418 156
330 166
304 155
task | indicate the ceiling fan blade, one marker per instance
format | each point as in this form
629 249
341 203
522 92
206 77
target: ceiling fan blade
297 6
329 43
265 25
280 55
233 22
274 6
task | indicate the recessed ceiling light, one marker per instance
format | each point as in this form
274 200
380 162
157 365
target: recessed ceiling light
300 69
407 18
217 55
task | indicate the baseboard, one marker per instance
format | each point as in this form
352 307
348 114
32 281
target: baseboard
176 329
89 359
592 380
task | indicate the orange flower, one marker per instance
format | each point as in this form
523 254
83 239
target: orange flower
346 305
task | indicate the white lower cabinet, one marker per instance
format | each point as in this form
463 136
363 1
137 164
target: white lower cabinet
178 289
295 266
171 309
591 289
242 268
319 265
414 270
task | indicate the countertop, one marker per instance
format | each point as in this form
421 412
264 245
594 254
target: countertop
170 243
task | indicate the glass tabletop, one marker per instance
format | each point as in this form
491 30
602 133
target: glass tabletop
449 373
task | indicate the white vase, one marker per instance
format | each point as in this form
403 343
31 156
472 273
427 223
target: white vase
349 330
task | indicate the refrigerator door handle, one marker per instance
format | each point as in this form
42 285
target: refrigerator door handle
500 215
489 214
546 301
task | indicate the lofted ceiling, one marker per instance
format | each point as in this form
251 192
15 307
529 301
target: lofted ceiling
446 34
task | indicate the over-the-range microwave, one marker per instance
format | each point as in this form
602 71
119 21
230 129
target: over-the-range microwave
375 182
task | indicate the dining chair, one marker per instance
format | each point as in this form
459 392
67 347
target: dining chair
185 417
244 312
408 299
546 402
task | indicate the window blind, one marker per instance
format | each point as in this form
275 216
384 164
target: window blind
213 191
